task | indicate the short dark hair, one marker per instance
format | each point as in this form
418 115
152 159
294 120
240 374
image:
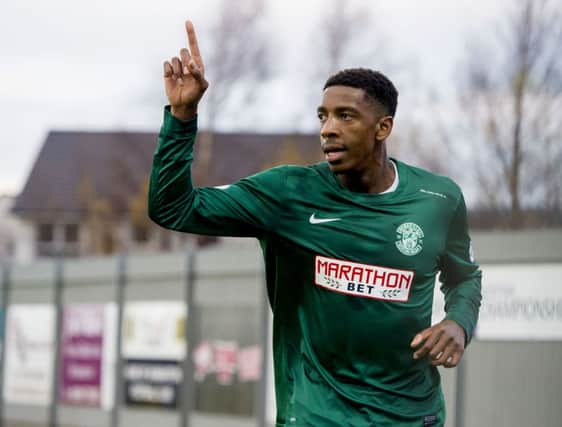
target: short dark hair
375 84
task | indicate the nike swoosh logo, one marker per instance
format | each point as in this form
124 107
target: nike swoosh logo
314 220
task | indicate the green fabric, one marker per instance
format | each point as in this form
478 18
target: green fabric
348 295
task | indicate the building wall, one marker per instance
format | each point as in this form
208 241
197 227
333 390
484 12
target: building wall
16 236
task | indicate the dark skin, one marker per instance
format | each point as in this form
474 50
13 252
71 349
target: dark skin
353 135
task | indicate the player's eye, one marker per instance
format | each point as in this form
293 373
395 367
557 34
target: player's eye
345 116
321 117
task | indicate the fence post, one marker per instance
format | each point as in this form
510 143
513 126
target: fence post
5 302
187 389
261 390
460 397
118 374
57 298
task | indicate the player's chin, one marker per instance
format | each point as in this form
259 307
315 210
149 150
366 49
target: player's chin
337 166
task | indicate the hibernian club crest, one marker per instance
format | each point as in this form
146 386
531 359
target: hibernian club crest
409 238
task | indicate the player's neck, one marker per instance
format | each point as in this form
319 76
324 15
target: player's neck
374 179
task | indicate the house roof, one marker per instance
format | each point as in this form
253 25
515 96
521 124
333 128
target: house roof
73 167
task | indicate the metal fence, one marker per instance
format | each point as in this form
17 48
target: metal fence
225 300
499 383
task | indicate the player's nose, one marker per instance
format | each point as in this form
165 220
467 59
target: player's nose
329 129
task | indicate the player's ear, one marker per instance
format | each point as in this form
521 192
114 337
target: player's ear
383 128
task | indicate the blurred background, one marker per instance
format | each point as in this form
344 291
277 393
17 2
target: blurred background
109 320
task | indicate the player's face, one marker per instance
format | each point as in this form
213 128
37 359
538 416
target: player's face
350 129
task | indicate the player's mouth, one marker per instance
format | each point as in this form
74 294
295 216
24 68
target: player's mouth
333 153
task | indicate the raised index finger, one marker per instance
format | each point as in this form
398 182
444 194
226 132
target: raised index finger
193 46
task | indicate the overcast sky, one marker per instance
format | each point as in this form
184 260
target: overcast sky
71 64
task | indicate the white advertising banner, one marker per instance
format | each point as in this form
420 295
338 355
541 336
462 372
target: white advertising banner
29 354
153 347
109 356
519 302
154 330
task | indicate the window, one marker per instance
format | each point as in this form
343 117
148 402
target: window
140 233
45 233
71 233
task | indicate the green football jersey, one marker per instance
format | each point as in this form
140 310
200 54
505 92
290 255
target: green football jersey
350 278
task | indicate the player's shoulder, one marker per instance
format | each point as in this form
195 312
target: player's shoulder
427 182
310 169
300 171
288 176
300 177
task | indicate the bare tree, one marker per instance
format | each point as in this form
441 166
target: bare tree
238 60
343 34
98 220
512 98
237 64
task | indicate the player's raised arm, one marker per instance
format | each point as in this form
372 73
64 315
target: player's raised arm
184 78
249 207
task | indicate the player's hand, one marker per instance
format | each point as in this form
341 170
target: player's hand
443 343
184 78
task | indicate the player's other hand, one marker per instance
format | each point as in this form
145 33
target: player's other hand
184 78
443 343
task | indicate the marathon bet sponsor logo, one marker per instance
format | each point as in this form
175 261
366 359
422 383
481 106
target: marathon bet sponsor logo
363 280
409 238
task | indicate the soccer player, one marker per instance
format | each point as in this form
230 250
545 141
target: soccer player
352 247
